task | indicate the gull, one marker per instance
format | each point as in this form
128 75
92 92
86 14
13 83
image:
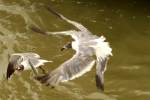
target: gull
24 61
90 49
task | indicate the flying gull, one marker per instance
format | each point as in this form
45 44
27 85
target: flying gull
24 61
90 49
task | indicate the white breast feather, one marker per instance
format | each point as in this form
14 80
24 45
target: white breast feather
102 48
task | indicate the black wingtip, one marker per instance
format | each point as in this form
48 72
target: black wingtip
38 30
99 83
50 9
10 70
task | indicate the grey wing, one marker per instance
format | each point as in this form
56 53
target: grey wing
31 55
83 31
76 24
28 55
71 69
36 62
100 69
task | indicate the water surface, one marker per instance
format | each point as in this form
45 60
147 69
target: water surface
125 24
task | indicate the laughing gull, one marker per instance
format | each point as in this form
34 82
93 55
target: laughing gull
24 61
90 49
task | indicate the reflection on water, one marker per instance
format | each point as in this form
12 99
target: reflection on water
125 24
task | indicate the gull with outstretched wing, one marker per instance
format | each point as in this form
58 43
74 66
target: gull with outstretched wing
89 49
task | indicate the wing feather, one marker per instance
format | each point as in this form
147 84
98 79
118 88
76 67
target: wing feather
37 62
30 54
76 24
78 65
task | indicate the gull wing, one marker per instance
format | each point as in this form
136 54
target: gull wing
78 65
76 24
31 55
82 34
28 55
37 62
83 31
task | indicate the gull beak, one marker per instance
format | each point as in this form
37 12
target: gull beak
67 46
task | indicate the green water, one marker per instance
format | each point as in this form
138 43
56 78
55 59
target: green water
125 24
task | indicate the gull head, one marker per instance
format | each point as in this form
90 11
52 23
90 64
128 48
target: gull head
12 67
19 68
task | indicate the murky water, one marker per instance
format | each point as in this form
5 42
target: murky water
125 24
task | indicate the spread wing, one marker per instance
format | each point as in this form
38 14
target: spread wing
69 70
77 25
82 33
